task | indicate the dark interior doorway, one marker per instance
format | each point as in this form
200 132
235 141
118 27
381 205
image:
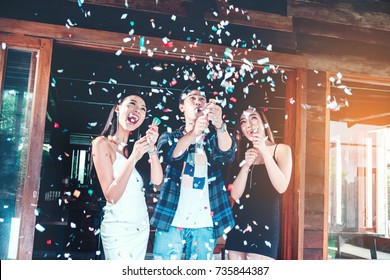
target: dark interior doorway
84 86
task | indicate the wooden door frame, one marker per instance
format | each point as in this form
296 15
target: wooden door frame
43 47
292 202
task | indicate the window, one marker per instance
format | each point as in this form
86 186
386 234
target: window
359 170
15 110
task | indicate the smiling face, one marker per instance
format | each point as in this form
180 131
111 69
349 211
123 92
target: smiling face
193 104
131 112
250 122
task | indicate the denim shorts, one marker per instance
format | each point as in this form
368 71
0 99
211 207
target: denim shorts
198 243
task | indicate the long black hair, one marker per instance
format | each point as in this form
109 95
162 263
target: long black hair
110 129
112 123
243 143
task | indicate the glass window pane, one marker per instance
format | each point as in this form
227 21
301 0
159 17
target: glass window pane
16 101
358 187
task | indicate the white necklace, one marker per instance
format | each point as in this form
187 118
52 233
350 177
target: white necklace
121 145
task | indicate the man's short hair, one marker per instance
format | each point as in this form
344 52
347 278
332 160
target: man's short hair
187 90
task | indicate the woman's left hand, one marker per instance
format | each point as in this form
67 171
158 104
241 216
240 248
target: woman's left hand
258 141
152 135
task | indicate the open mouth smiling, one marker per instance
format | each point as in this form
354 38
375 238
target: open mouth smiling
132 118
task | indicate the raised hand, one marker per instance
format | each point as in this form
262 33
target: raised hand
141 146
250 156
152 135
259 142
200 125
214 113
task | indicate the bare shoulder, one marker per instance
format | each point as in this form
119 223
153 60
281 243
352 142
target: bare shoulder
100 143
283 150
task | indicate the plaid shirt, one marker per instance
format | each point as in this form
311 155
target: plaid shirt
169 197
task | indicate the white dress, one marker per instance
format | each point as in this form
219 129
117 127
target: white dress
125 225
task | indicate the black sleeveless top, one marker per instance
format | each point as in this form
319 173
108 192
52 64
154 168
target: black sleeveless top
257 217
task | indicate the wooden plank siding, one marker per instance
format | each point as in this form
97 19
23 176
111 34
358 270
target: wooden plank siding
293 200
315 176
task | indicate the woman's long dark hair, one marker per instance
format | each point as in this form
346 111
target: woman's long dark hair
112 123
243 144
110 129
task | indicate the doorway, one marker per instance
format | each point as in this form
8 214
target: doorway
84 85
359 168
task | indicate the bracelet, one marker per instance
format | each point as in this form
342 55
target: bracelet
154 152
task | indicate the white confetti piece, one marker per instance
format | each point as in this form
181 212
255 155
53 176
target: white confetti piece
39 228
263 60
347 91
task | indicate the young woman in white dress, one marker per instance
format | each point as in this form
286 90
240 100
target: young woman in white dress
125 224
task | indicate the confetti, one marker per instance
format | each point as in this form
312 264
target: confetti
76 193
263 60
39 228
242 163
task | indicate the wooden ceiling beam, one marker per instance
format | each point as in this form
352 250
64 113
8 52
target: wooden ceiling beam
363 14
234 15
341 31
112 41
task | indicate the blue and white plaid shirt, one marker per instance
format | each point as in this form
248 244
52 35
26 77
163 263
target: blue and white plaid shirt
221 212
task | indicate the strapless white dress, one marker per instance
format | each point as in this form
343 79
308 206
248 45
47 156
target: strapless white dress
125 225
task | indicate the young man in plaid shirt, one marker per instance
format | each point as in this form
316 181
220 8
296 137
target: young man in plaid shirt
193 209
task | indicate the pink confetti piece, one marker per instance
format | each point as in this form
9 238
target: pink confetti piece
248 229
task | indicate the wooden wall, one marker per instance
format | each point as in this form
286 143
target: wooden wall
315 223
